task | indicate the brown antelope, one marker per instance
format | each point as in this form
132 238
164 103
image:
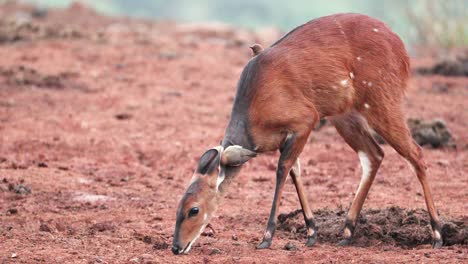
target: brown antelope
350 68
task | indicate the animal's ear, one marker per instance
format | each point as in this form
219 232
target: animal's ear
236 156
256 49
208 161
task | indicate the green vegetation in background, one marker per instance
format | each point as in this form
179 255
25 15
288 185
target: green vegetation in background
430 22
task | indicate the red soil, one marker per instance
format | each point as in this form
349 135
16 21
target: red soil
106 118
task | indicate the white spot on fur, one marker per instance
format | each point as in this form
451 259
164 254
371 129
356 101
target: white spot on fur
310 232
366 105
344 82
375 30
369 84
437 235
351 75
359 58
364 82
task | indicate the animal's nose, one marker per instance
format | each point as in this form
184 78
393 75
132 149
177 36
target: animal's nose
175 250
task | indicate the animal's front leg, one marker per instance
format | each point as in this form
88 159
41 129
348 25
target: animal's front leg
290 150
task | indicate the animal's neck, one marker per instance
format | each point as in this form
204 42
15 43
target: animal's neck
237 133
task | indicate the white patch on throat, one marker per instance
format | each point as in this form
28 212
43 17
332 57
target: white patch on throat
220 178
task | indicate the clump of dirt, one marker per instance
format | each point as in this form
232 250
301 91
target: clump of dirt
19 188
26 30
394 226
25 76
434 133
102 227
449 67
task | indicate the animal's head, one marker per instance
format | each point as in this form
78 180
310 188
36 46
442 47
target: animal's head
203 194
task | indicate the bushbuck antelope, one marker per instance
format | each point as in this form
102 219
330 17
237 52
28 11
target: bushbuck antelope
350 68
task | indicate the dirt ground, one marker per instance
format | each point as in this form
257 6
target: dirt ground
102 121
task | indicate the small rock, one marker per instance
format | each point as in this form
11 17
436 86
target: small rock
214 251
19 188
125 179
12 211
443 163
14 255
123 116
290 246
101 227
44 228
42 165
234 237
147 239
208 233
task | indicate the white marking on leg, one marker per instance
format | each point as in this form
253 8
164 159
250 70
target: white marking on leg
267 235
366 168
347 233
297 168
437 235
310 232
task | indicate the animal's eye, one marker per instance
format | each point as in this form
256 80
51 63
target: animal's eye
193 212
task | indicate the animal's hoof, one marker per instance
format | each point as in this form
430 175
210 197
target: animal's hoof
437 243
264 245
345 242
311 241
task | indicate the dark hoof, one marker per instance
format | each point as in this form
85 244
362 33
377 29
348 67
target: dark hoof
311 241
264 245
345 242
437 243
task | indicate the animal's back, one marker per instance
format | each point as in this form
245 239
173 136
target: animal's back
352 60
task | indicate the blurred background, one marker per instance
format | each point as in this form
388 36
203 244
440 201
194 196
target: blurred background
439 23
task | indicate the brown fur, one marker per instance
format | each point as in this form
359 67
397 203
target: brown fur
349 67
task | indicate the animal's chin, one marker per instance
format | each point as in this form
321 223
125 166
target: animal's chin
187 248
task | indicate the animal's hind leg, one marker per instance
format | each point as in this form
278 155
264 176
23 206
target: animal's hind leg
354 130
393 128
308 217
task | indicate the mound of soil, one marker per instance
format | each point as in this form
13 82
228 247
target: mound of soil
449 67
433 133
394 226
